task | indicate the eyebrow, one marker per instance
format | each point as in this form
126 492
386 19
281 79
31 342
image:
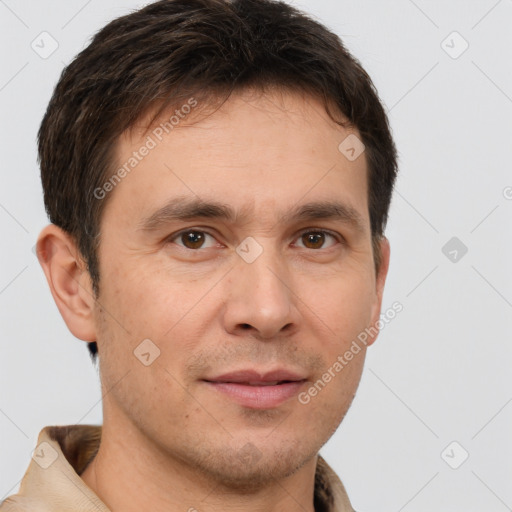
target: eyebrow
186 208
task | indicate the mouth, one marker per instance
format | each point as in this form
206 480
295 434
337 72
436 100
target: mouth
256 391
254 383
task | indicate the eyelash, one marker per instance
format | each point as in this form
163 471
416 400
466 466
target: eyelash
333 234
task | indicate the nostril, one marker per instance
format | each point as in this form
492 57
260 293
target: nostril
246 326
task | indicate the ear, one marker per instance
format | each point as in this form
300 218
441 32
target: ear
380 281
68 280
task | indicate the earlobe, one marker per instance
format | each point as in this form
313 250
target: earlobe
380 281
68 280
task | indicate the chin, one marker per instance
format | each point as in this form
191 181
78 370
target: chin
249 469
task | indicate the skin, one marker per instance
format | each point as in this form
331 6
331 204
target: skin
169 441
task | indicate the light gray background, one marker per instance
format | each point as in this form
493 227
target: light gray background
440 371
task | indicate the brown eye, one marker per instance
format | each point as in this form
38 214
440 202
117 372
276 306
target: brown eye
192 239
316 239
313 240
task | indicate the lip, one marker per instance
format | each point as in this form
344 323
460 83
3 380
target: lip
251 375
251 388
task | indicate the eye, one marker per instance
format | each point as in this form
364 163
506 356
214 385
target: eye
315 239
192 239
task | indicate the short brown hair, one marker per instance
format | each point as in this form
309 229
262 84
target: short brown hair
174 49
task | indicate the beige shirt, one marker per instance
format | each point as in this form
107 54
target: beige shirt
52 482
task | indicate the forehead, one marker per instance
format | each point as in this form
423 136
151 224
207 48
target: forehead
264 149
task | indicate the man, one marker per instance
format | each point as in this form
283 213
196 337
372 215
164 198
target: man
218 176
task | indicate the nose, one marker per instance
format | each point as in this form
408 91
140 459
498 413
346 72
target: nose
261 299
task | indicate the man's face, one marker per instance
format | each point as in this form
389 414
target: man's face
293 297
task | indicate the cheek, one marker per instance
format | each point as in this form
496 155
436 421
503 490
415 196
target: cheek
347 311
138 299
140 358
344 305
330 395
148 305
